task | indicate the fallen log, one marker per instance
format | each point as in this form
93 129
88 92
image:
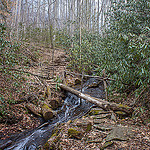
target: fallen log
99 102
47 112
35 110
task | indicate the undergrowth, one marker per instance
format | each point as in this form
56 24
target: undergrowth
123 49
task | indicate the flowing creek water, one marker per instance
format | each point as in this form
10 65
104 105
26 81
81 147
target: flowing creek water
72 108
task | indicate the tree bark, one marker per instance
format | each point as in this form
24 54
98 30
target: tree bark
99 102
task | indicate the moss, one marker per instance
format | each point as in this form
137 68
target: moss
72 131
56 139
120 113
77 81
95 112
106 145
55 132
45 106
46 145
75 134
89 127
124 106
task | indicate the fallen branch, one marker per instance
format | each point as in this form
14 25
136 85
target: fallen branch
99 102
35 110
98 77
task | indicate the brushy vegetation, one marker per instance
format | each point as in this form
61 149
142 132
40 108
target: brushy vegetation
12 81
123 50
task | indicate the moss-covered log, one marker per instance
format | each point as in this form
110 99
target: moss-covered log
99 102
73 133
47 112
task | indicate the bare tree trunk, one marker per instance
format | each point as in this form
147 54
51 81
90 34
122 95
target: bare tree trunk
19 19
73 17
80 28
98 17
38 14
50 24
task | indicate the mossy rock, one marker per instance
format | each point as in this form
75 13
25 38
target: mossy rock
106 144
55 132
121 114
89 127
99 121
73 133
102 116
48 146
123 106
85 124
77 81
95 112
103 128
51 143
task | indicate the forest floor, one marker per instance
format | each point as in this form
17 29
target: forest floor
18 118
94 138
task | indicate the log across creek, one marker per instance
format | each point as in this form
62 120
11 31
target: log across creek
99 102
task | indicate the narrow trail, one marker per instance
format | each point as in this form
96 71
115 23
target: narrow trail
47 63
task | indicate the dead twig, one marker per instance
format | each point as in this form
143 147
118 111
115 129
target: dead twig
98 77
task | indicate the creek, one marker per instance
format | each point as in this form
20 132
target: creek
72 108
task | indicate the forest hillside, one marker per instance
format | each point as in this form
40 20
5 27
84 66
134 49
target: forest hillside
44 43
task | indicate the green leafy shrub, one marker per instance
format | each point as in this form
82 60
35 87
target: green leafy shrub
129 44
123 50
